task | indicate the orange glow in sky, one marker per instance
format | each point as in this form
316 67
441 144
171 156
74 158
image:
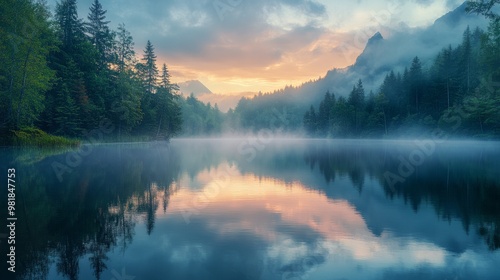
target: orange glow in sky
253 47
256 205
261 45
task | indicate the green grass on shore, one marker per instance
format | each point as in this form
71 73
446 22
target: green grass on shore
30 136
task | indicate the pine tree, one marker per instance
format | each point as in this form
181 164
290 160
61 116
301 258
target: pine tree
465 63
357 102
148 75
80 87
482 108
124 49
357 96
165 80
167 107
310 121
490 53
342 117
483 105
370 103
66 101
444 79
324 118
415 76
148 70
70 26
126 109
377 106
99 34
392 88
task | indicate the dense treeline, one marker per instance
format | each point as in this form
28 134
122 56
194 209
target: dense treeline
200 118
457 92
276 111
68 76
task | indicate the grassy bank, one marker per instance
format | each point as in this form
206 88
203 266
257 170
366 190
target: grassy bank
35 137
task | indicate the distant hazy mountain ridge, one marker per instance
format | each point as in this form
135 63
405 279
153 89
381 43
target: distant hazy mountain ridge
195 87
396 52
379 57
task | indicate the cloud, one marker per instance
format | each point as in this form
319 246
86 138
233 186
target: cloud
424 2
269 43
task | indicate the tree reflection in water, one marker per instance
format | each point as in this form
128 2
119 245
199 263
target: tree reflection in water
96 208
93 210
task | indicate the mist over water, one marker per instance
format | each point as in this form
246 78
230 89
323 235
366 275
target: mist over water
259 185
262 208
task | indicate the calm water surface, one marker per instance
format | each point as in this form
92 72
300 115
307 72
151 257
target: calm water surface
240 209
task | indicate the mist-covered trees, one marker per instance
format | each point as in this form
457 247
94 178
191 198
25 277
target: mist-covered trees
325 112
311 121
357 102
338 117
201 119
415 81
482 104
275 112
457 87
65 75
461 83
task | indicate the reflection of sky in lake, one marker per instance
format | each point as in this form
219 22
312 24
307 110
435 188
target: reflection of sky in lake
279 217
247 227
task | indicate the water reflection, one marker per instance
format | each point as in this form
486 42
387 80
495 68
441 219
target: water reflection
460 180
199 209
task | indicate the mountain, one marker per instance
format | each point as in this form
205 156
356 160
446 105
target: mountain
455 17
372 46
382 55
195 87
397 51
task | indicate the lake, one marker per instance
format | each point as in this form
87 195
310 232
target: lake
258 209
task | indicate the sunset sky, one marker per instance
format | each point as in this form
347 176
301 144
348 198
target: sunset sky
261 45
